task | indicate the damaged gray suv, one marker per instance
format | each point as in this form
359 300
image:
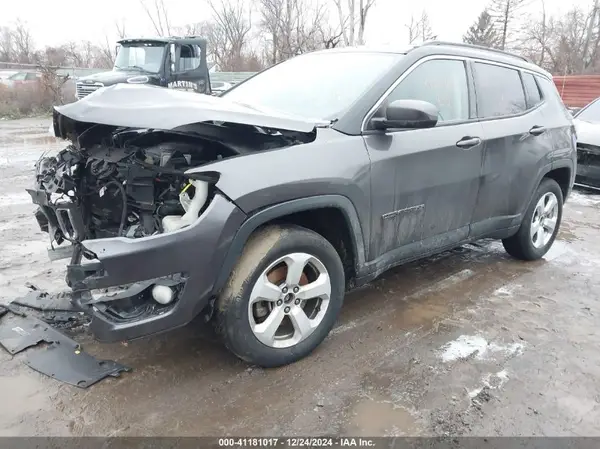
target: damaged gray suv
259 209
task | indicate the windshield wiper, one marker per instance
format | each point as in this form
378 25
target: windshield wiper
137 67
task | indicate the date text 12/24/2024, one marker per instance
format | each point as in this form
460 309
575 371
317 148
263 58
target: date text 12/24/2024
296 442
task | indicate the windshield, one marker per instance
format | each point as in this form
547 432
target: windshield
591 113
315 85
145 57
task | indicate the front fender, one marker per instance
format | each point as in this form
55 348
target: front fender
280 210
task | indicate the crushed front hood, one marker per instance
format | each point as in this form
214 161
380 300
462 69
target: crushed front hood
143 106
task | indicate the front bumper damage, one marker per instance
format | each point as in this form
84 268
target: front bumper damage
115 280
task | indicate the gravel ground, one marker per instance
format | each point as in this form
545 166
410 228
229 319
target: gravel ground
470 342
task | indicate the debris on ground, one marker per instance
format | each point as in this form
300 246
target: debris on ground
32 323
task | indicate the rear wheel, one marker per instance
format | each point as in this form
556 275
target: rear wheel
540 224
282 298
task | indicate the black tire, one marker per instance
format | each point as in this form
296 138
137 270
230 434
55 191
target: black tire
263 248
520 245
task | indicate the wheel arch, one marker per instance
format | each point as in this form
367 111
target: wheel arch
561 171
289 211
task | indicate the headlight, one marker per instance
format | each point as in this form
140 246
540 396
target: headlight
142 79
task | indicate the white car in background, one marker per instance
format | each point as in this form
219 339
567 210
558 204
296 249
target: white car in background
587 126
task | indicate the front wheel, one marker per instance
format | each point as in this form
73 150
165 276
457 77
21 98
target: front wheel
540 224
282 298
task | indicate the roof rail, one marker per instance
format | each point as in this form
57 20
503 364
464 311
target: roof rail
478 47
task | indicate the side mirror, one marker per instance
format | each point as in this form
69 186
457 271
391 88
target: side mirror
413 114
172 57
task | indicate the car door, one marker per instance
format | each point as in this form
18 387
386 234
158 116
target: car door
424 182
510 108
190 72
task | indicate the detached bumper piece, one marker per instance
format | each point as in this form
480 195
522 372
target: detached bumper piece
62 358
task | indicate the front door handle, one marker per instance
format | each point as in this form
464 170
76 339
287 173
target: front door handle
468 142
537 130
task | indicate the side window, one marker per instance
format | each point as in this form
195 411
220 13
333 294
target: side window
31 76
189 58
532 90
499 91
442 82
550 93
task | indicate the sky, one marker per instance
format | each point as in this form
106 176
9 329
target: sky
58 21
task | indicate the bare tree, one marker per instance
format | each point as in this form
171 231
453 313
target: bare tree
293 27
353 19
504 13
23 43
232 24
482 32
121 29
426 30
7 49
413 29
158 15
420 29
539 38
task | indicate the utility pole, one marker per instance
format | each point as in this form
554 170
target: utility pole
588 35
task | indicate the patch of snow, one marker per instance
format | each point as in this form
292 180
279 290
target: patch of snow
467 345
462 347
502 375
557 250
475 392
14 199
583 199
503 291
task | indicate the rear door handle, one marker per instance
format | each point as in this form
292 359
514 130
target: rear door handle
537 130
468 142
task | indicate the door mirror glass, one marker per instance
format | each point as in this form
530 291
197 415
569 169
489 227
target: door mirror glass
414 114
173 57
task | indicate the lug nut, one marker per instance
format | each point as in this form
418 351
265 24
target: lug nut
284 289
296 289
297 302
279 302
286 310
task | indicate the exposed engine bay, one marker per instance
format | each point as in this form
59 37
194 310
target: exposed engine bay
113 182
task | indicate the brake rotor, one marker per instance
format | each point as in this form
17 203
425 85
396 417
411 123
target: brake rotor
277 277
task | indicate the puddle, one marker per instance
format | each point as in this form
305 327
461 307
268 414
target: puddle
22 396
371 417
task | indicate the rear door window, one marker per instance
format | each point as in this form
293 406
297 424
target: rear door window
499 91
532 91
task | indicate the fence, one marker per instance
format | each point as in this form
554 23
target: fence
76 72
577 91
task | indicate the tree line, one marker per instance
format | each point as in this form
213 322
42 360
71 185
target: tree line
248 35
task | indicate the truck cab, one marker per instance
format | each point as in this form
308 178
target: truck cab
174 62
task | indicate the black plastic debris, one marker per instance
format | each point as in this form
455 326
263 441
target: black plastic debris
18 333
60 357
69 364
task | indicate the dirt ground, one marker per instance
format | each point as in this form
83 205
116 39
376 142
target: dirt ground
470 342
